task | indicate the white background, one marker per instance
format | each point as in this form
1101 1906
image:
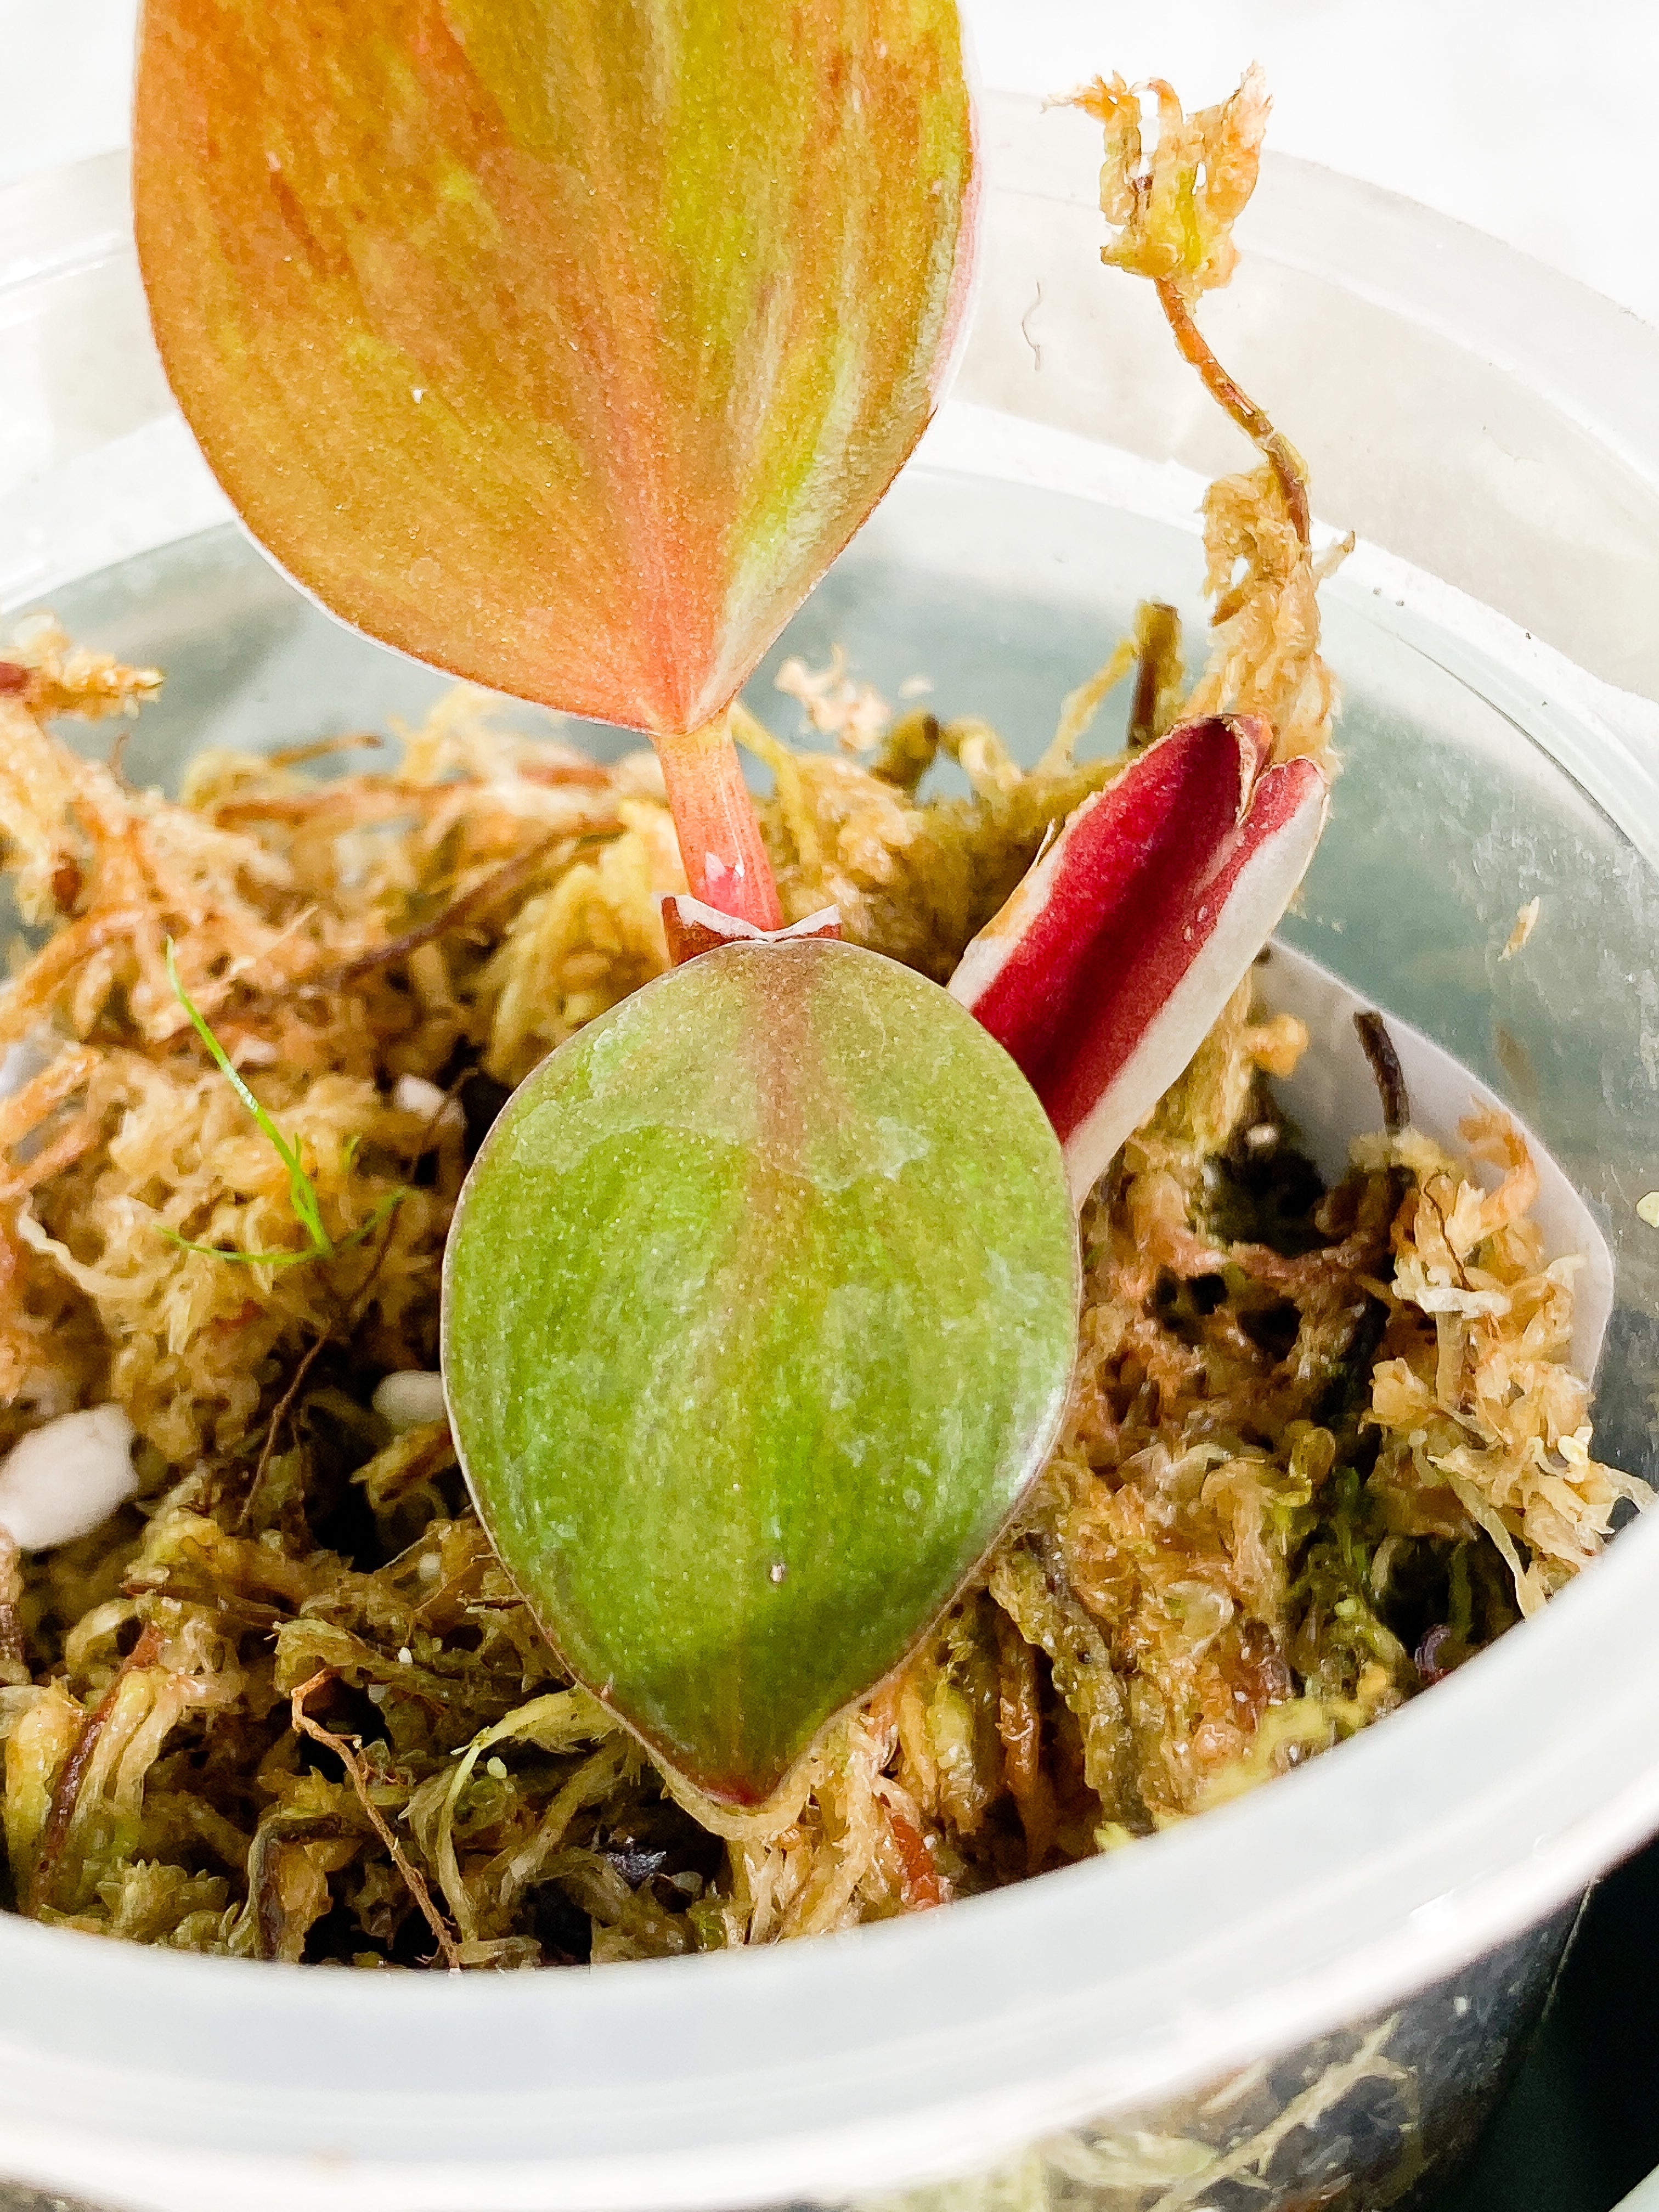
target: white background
1536 119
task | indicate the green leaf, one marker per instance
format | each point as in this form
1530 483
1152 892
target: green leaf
759 1317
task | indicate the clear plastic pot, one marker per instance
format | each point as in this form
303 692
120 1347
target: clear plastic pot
1168 2027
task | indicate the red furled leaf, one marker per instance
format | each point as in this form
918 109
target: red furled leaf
1108 967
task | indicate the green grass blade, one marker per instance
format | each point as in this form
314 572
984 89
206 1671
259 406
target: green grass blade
281 1259
302 1191
382 1209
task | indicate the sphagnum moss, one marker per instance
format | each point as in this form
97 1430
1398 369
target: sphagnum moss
1265 1514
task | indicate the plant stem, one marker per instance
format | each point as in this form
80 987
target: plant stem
714 818
351 1760
1251 419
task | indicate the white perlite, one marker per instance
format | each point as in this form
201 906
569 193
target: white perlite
63 1480
413 1094
410 1400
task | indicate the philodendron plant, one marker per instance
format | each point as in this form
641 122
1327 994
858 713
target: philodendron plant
564 343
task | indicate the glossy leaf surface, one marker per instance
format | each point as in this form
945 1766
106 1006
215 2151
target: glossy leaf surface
561 343
759 1317
1115 955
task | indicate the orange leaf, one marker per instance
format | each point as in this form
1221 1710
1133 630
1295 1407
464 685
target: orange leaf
562 343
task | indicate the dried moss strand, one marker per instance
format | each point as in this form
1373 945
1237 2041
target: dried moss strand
505 882
284 1406
1252 420
1302 1418
353 1764
66 1794
13 1648
280 1413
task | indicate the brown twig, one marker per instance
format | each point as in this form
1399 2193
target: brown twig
1326 1263
354 1313
368 798
117 763
31 991
13 1657
501 885
353 1764
68 1146
1160 630
1390 1076
1251 419
322 748
280 1413
560 776
66 1792
22 1115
